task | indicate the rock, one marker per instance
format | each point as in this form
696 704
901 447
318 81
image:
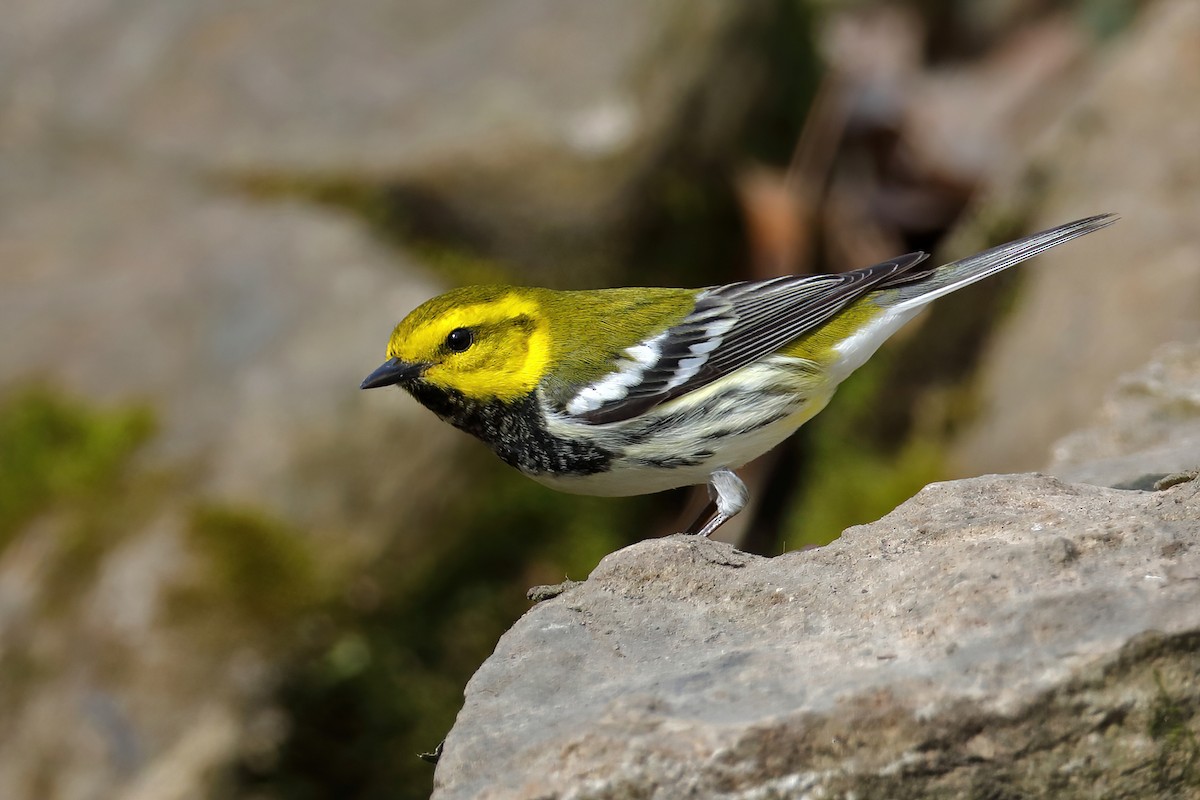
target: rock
1147 429
142 632
244 325
1099 307
994 635
159 250
530 123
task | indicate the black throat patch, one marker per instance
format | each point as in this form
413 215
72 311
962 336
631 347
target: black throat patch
515 430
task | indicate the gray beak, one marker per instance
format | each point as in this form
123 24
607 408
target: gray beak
391 372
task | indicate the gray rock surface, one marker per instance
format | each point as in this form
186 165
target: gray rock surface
1000 634
158 248
523 118
138 670
1004 635
1148 428
240 323
1092 311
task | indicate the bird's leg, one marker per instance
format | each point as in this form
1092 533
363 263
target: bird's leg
728 496
708 512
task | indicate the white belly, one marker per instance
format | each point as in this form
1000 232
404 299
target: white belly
638 469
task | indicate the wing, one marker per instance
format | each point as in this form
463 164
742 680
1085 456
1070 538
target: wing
731 326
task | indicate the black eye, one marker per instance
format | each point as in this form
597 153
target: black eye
459 339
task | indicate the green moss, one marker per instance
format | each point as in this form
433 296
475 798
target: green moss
860 486
55 450
460 268
384 684
363 200
266 570
853 476
999 223
383 681
1105 19
1178 760
21 671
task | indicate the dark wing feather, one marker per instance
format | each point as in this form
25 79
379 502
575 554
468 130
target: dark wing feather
737 324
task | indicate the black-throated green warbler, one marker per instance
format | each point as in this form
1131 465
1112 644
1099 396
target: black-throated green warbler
630 391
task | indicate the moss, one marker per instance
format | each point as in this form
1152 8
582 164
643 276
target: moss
394 217
260 566
1105 19
460 268
364 200
21 670
853 476
1178 760
56 451
998 223
860 486
66 464
383 684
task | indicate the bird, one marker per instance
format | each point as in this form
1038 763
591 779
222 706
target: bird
629 391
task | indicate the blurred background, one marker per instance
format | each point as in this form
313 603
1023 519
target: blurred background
226 572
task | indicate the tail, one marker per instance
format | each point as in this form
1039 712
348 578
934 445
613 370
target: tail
957 274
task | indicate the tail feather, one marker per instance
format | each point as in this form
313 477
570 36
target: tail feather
957 274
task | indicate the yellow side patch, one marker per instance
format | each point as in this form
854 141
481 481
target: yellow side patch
820 345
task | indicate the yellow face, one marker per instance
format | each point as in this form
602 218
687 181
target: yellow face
484 342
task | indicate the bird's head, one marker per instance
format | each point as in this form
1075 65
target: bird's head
484 342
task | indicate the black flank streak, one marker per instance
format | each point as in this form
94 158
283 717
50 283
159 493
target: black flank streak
672 462
708 409
652 428
727 433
